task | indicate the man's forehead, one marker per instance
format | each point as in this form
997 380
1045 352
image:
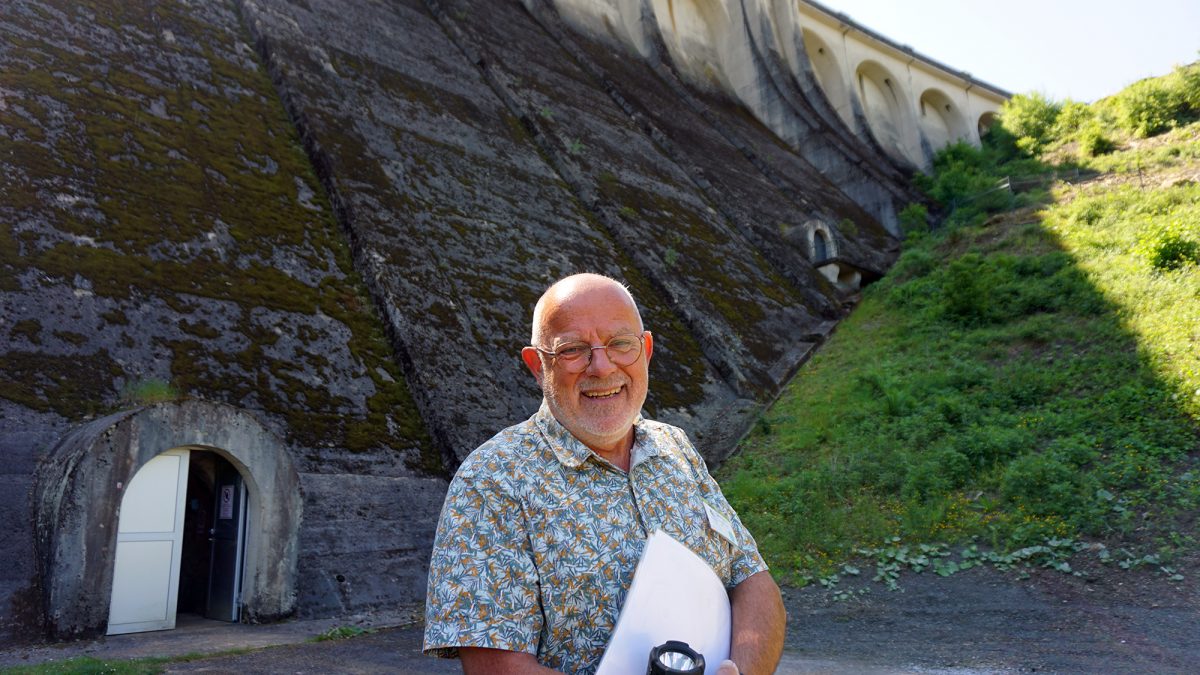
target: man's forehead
582 317
586 309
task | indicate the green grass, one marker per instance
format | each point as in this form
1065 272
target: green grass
87 665
1021 381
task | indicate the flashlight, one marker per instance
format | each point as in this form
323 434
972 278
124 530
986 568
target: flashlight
675 658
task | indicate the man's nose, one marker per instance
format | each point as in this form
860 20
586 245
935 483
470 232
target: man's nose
600 363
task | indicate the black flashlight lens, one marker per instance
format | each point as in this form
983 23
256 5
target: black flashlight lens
675 658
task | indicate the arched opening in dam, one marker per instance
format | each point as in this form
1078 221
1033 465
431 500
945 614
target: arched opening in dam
883 100
828 72
941 119
986 120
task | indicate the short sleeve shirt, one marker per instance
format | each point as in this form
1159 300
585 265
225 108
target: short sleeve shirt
539 538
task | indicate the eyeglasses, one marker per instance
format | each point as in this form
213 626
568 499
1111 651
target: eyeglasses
622 350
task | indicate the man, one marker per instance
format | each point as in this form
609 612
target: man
544 524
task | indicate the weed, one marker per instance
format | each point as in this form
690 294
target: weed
148 392
342 633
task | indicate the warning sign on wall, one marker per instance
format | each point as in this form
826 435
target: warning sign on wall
226 510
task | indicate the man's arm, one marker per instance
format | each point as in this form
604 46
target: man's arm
759 622
484 661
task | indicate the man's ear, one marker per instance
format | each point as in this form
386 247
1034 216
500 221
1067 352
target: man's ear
533 361
649 345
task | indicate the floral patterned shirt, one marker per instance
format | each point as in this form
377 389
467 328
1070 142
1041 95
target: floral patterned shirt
539 538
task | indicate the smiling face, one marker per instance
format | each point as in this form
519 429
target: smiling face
599 404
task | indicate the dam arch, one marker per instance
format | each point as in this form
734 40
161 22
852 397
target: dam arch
828 71
986 121
697 35
884 102
941 120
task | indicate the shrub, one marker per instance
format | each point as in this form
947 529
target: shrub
1000 144
1171 247
1172 252
896 401
965 179
1031 119
1152 106
965 292
1147 108
935 475
989 444
1073 117
913 218
1043 484
912 264
1188 82
1093 141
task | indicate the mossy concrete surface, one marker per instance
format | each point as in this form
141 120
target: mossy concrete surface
460 221
161 229
337 216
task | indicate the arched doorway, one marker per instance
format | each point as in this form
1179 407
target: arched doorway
214 538
181 542
820 247
81 491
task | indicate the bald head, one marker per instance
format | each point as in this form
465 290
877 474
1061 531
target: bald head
562 293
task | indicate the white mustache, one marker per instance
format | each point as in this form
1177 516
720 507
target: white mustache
604 385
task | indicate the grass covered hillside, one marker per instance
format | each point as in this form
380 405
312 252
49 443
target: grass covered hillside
1024 385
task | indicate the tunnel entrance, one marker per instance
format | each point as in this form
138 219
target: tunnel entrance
181 541
214 539
113 504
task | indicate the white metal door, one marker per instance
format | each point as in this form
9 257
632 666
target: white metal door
149 537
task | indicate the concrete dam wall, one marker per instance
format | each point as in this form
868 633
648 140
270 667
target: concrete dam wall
303 239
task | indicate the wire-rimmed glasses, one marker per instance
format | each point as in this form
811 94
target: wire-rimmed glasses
575 357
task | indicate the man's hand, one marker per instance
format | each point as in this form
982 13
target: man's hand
728 667
759 623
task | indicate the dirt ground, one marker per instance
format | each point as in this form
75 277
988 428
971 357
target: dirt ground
978 621
983 620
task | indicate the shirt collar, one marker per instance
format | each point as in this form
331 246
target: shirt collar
572 453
